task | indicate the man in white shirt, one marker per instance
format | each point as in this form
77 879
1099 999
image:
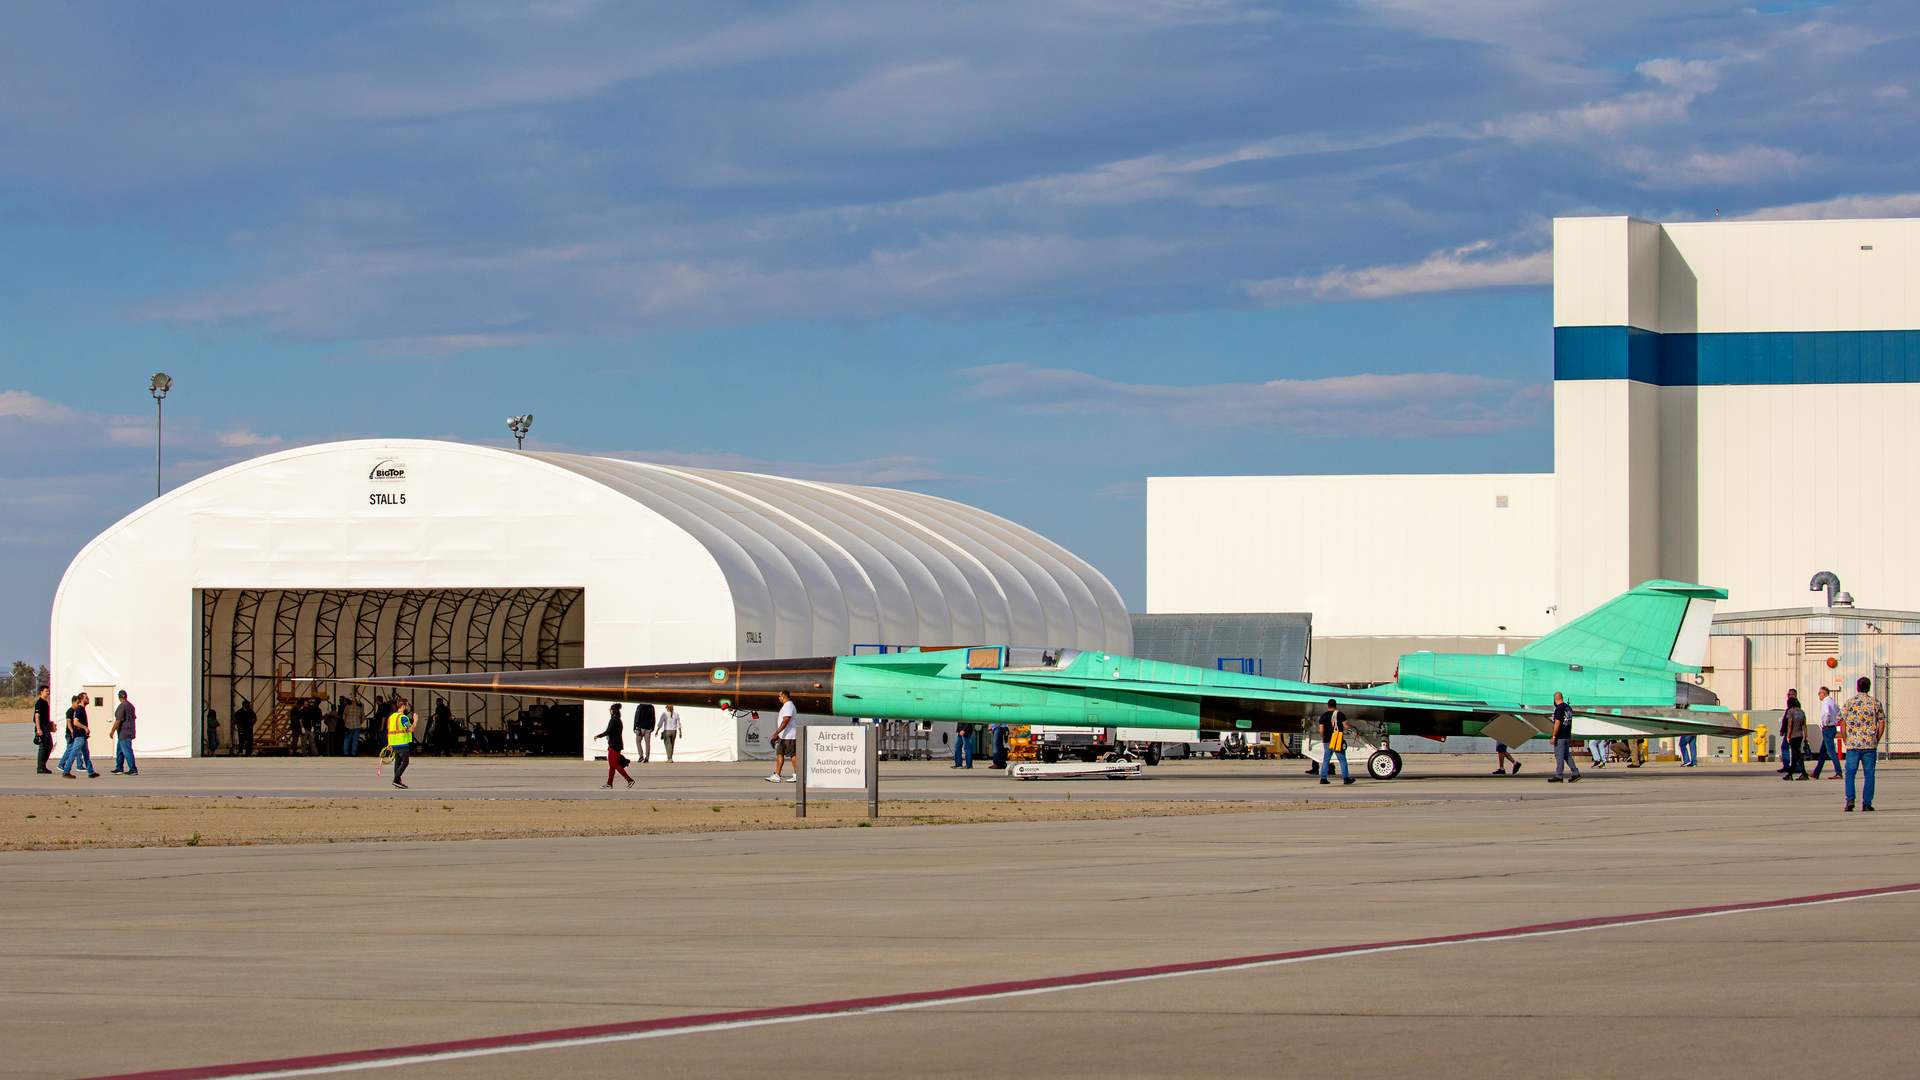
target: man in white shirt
669 731
786 741
1829 734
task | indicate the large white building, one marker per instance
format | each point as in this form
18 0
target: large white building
1730 406
415 557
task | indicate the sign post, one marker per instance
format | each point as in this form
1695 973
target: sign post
838 757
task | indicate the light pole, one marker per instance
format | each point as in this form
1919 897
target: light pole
520 425
158 387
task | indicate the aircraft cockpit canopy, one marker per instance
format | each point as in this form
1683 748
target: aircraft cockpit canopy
1046 659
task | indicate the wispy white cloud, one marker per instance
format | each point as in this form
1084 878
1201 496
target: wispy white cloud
1123 491
1612 116
20 405
439 346
1479 265
1019 156
1746 165
1695 76
37 419
247 440
1893 205
1676 84
1414 404
37 415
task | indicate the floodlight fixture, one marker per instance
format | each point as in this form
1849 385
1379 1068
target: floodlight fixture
158 387
520 425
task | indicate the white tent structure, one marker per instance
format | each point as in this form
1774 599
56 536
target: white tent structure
413 556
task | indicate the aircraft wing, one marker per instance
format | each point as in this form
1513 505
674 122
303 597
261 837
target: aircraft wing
1518 725
1415 716
1609 725
1289 708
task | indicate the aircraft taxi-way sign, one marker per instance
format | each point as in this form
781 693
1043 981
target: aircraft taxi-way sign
838 757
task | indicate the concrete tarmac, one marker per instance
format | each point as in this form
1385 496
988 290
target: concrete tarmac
121 960
1427 776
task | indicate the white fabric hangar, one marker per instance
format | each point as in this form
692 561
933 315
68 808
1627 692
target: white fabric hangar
277 575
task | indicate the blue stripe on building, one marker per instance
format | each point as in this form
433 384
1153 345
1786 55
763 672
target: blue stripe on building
1743 359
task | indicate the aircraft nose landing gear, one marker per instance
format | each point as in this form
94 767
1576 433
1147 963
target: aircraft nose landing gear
1383 764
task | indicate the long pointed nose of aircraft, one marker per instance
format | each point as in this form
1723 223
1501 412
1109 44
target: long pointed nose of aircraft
724 684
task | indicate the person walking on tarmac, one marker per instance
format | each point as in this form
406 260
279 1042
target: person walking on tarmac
400 739
1333 742
1562 740
669 729
243 721
78 731
122 733
616 761
1793 738
43 730
1500 763
642 734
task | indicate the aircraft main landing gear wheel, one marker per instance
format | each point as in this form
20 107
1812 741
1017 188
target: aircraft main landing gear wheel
1383 765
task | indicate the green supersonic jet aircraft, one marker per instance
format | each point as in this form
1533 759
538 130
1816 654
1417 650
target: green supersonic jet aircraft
1625 668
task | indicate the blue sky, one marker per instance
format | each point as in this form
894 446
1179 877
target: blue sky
952 248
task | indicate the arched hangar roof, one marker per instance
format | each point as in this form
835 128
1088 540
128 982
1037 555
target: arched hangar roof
823 566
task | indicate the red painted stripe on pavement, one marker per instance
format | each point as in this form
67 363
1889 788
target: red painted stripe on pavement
532 1039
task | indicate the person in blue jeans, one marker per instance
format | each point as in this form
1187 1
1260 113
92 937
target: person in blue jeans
122 732
1563 741
78 732
1863 723
963 747
1829 736
351 719
1333 722
1689 750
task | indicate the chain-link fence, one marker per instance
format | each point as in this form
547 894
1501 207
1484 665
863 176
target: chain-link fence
1898 688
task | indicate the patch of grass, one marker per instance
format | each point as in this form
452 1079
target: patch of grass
194 840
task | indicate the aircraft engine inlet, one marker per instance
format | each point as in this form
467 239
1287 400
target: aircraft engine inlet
1686 694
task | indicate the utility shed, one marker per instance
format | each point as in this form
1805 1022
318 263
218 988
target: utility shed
1756 656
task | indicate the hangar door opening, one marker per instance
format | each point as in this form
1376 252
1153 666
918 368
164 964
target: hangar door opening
278 650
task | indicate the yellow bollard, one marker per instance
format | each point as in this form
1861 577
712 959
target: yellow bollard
1760 743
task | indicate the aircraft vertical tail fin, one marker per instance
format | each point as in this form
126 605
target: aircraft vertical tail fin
1655 626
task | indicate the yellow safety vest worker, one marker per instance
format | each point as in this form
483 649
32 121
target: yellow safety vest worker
399 730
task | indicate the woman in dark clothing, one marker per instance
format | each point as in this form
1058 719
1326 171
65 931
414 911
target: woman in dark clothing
1793 739
615 764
